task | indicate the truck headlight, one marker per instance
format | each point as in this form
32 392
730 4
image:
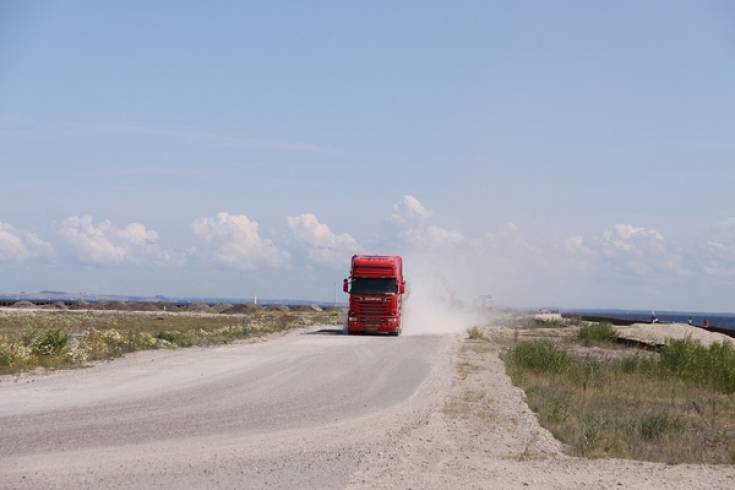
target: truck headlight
351 318
392 320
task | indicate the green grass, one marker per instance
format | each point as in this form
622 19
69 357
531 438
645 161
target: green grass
598 334
712 367
529 322
553 323
13 322
540 356
45 342
676 407
53 340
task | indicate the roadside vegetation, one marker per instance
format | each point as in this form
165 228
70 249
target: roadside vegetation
63 339
476 333
598 334
677 406
530 322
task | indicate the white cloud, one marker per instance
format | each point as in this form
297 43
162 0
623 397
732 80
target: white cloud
431 236
577 245
19 245
237 242
625 248
324 245
412 219
409 210
633 240
103 243
719 250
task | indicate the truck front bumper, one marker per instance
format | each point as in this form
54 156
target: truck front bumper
374 326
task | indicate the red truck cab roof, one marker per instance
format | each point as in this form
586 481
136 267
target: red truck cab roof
377 266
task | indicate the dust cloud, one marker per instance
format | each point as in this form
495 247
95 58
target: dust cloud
434 305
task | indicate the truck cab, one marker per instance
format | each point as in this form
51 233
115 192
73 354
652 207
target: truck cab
376 287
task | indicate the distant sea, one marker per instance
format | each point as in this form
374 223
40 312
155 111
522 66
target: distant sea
720 320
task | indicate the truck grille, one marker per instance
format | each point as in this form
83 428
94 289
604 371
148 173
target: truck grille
373 309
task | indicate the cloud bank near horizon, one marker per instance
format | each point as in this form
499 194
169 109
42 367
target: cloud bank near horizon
18 245
103 243
507 262
236 242
324 246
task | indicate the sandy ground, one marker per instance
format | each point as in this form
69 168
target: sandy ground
659 334
302 411
297 411
481 434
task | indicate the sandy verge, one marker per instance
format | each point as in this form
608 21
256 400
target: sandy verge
481 434
659 334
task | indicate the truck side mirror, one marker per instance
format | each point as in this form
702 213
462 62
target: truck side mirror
402 287
346 286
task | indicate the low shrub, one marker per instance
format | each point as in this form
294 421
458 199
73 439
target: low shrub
596 334
76 355
48 341
540 356
14 354
476 333
99 344
141 341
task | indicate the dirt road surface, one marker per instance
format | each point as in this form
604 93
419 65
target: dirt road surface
306 410
298 410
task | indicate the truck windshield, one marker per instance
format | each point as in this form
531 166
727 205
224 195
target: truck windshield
365 285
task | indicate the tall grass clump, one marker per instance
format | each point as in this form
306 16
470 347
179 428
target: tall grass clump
48 341
596 334
675 407
476 333
540 356
712 366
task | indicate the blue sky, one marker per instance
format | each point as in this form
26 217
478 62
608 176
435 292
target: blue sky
568 153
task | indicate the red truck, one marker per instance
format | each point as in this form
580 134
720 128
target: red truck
376 287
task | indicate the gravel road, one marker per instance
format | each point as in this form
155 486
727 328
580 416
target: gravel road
305 410
300 410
